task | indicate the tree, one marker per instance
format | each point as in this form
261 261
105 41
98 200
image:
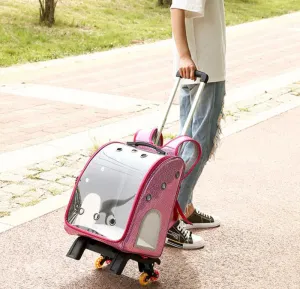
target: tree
47 11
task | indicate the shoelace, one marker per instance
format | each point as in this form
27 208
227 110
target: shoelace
181 228
203 215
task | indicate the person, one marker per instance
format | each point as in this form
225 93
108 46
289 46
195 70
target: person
198 28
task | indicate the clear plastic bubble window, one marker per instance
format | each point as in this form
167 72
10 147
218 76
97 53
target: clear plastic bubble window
107 189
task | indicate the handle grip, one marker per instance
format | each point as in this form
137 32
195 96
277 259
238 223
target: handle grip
199 74
145 144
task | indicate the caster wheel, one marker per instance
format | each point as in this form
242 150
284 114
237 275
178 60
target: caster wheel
144 279
155 276
99 263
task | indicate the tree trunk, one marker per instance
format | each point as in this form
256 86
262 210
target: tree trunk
164 2
47 11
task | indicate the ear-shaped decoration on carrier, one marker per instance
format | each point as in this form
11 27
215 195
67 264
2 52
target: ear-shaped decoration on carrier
148 136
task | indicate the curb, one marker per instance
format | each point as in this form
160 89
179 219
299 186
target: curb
25 215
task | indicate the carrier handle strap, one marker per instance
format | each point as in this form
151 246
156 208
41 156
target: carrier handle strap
178 208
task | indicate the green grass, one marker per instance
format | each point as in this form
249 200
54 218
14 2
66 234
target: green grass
39 170
55 191
229 113
30 203
240 11
96 25
62 160
243 109
4 214
169 136
15 196
33 177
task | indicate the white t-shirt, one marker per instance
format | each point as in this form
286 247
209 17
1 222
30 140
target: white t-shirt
206 35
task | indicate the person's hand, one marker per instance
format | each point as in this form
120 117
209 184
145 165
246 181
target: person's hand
187 68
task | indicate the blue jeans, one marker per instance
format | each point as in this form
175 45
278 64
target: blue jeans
205 129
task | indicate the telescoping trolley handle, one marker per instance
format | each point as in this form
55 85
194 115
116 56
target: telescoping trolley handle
203 80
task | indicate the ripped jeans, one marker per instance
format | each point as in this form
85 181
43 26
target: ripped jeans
205 128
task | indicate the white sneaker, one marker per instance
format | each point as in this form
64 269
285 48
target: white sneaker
200 220
178 236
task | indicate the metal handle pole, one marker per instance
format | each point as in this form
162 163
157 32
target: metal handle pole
169 104
193 108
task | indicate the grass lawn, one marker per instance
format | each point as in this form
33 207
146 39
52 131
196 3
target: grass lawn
84 26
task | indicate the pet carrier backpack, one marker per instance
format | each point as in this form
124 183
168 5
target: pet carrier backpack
125 199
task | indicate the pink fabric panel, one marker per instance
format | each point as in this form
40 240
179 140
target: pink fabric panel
162 201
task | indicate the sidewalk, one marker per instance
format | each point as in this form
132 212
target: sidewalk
253 185
46 101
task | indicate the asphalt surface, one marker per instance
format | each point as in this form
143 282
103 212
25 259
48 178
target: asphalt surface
253 185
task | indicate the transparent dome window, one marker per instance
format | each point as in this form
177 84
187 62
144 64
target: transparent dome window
106 191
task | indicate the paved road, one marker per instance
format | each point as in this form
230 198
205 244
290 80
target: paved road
253 186
47 110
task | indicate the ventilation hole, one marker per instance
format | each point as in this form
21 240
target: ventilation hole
148 198
163 186
143 156
112 222
96 216
81 211
119 149
177 175
134 151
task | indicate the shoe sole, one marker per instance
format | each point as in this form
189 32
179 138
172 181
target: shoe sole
183 246
201 226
